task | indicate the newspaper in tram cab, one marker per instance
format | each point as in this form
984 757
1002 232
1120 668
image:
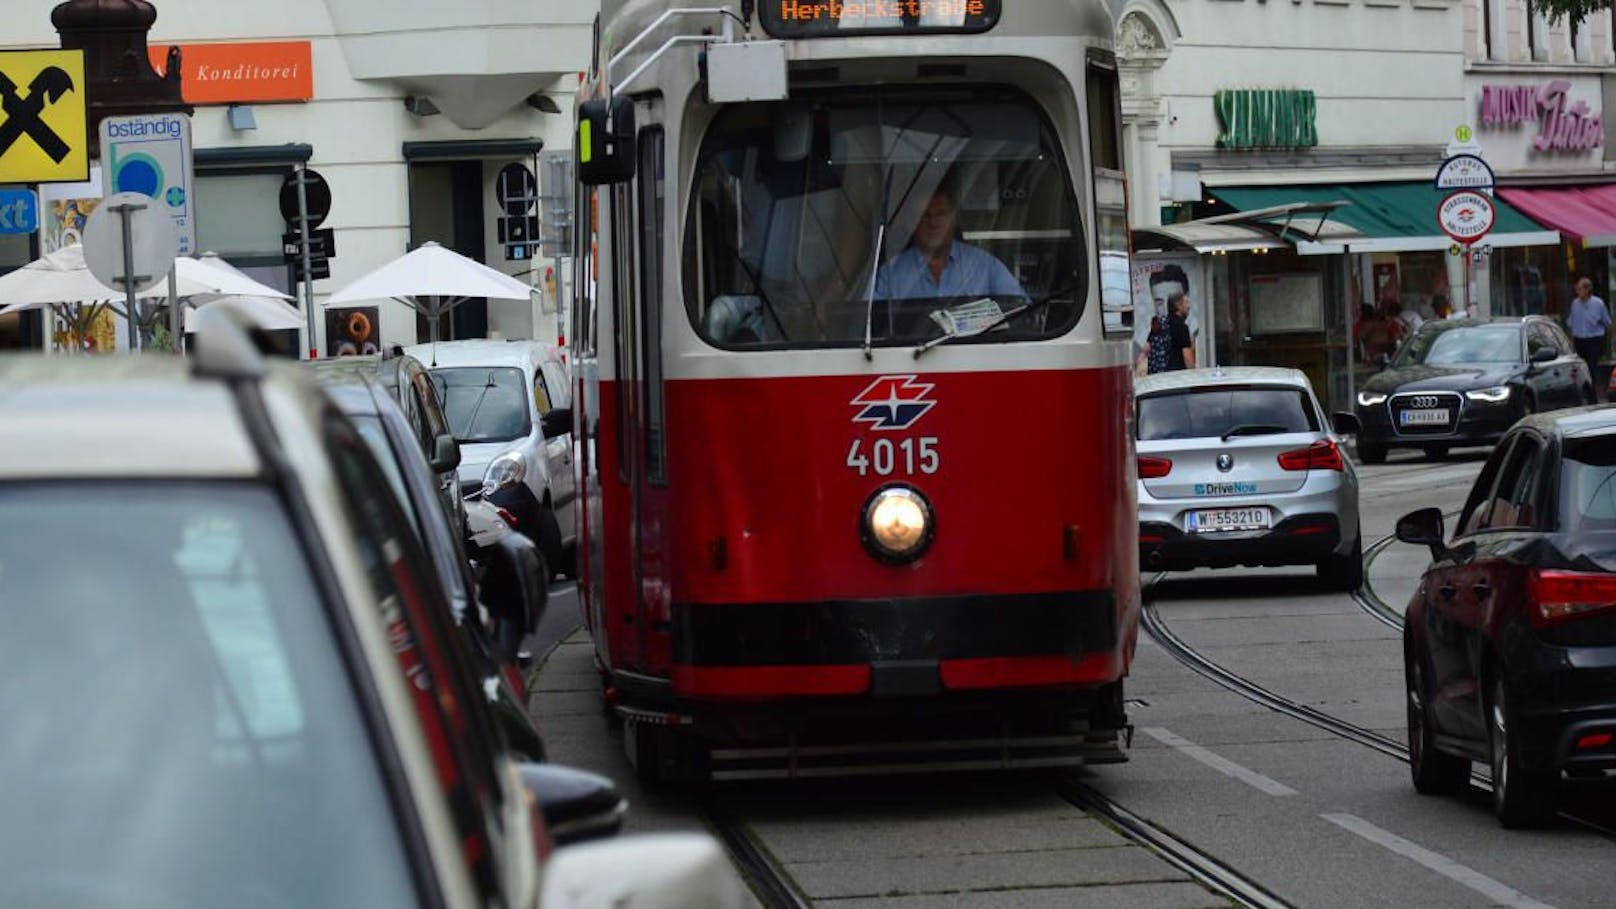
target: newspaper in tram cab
969 318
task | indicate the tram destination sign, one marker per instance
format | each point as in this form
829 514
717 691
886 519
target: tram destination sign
802 19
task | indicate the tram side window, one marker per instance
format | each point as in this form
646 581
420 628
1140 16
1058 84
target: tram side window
1110 194
905 213
652 187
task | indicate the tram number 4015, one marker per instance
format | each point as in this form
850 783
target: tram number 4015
886 457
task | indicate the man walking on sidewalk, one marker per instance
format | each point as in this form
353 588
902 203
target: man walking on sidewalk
1588 320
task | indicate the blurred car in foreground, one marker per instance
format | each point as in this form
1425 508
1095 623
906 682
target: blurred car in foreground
1238 466
1510 639
1464 381
228 678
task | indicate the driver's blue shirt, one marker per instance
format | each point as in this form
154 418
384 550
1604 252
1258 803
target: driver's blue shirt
969 272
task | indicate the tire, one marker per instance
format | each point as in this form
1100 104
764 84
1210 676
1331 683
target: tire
549 542
1434 772
1344 573
569 562
1521 798
1436 452
1371 452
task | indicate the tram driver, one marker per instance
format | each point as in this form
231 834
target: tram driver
937 263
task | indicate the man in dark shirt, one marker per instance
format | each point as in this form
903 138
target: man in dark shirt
1181 350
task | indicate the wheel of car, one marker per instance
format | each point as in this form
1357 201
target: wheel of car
1434 772
1344 572
1521 797
1435 452
1371 452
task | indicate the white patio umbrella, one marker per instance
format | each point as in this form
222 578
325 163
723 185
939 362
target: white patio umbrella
263 305
432 280
62 277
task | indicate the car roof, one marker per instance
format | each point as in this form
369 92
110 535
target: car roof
118 416
1436 325
483 352
385 370
1187 379
1576 422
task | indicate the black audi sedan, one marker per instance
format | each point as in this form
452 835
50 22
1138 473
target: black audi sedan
1465 381
1509 641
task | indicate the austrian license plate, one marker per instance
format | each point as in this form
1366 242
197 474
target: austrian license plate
1218 520
1424 417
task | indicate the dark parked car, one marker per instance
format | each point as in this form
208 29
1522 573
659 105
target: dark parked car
1510 640
1465 381
511 587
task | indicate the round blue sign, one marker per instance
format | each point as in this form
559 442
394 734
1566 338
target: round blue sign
175 196
138 174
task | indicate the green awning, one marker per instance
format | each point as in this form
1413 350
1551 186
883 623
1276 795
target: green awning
1391 216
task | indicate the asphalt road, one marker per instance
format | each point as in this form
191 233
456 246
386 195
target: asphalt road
1316 819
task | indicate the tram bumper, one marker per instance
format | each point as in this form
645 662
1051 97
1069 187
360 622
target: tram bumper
907 647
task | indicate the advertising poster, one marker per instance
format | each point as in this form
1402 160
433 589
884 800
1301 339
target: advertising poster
353 332
64 210
1155 277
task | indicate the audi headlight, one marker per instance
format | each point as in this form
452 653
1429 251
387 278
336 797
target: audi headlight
1498 394
506 470
1370 398
898 524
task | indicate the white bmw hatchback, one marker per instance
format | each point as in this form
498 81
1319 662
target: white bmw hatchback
1239 466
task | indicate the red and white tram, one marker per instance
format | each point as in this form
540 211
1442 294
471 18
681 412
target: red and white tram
851 336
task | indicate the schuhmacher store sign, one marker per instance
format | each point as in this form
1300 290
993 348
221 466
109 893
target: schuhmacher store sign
242 72
1537 124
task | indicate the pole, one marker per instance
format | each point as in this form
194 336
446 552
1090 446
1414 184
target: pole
303 242
130 304
174 323
1466 254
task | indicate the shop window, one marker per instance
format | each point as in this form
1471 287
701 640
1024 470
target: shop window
238 215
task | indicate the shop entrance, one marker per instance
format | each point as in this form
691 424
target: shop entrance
446 206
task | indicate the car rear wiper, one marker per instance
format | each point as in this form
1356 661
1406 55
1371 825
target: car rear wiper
1254 429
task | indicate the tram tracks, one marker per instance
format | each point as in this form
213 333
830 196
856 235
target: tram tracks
769 881
1187 655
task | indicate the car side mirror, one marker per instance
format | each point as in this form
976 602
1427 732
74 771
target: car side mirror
663 869
514 587
577 805
557 422
1423 528
1545 355
1344 423
445 454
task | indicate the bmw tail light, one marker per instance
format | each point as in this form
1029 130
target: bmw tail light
1563 596
1154 468
1318 456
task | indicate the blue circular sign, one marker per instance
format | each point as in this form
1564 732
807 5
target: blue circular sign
138 174
175 196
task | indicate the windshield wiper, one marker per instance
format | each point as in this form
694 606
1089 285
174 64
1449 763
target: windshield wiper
1254 429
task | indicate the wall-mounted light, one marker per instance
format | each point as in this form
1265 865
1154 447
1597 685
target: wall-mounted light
241 117
420 105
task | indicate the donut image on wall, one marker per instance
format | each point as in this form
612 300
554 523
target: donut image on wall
352 332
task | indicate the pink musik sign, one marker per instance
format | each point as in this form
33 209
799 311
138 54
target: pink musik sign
1563 125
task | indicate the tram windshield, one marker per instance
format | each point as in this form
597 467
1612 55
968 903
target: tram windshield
904 215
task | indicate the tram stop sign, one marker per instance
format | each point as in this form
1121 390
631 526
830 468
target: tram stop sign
151 236
1466 216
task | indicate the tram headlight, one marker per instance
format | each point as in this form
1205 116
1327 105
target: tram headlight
898 524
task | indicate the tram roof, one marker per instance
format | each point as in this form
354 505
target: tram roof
622 20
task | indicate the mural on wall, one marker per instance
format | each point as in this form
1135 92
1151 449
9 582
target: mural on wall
65 209
353 332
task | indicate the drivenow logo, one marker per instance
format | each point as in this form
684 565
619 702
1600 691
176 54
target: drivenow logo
893 402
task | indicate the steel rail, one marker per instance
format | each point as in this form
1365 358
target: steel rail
1220 877
1159 632
768 881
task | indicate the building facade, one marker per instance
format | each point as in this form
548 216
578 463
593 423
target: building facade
408 109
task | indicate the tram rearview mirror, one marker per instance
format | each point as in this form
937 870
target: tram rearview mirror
605 141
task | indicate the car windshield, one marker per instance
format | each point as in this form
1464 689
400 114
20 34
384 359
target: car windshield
909 214
483 403
179 728
1199 413
1588 484
1463 346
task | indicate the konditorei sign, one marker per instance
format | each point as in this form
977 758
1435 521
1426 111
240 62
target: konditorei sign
1266 118
242 72
1563 124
